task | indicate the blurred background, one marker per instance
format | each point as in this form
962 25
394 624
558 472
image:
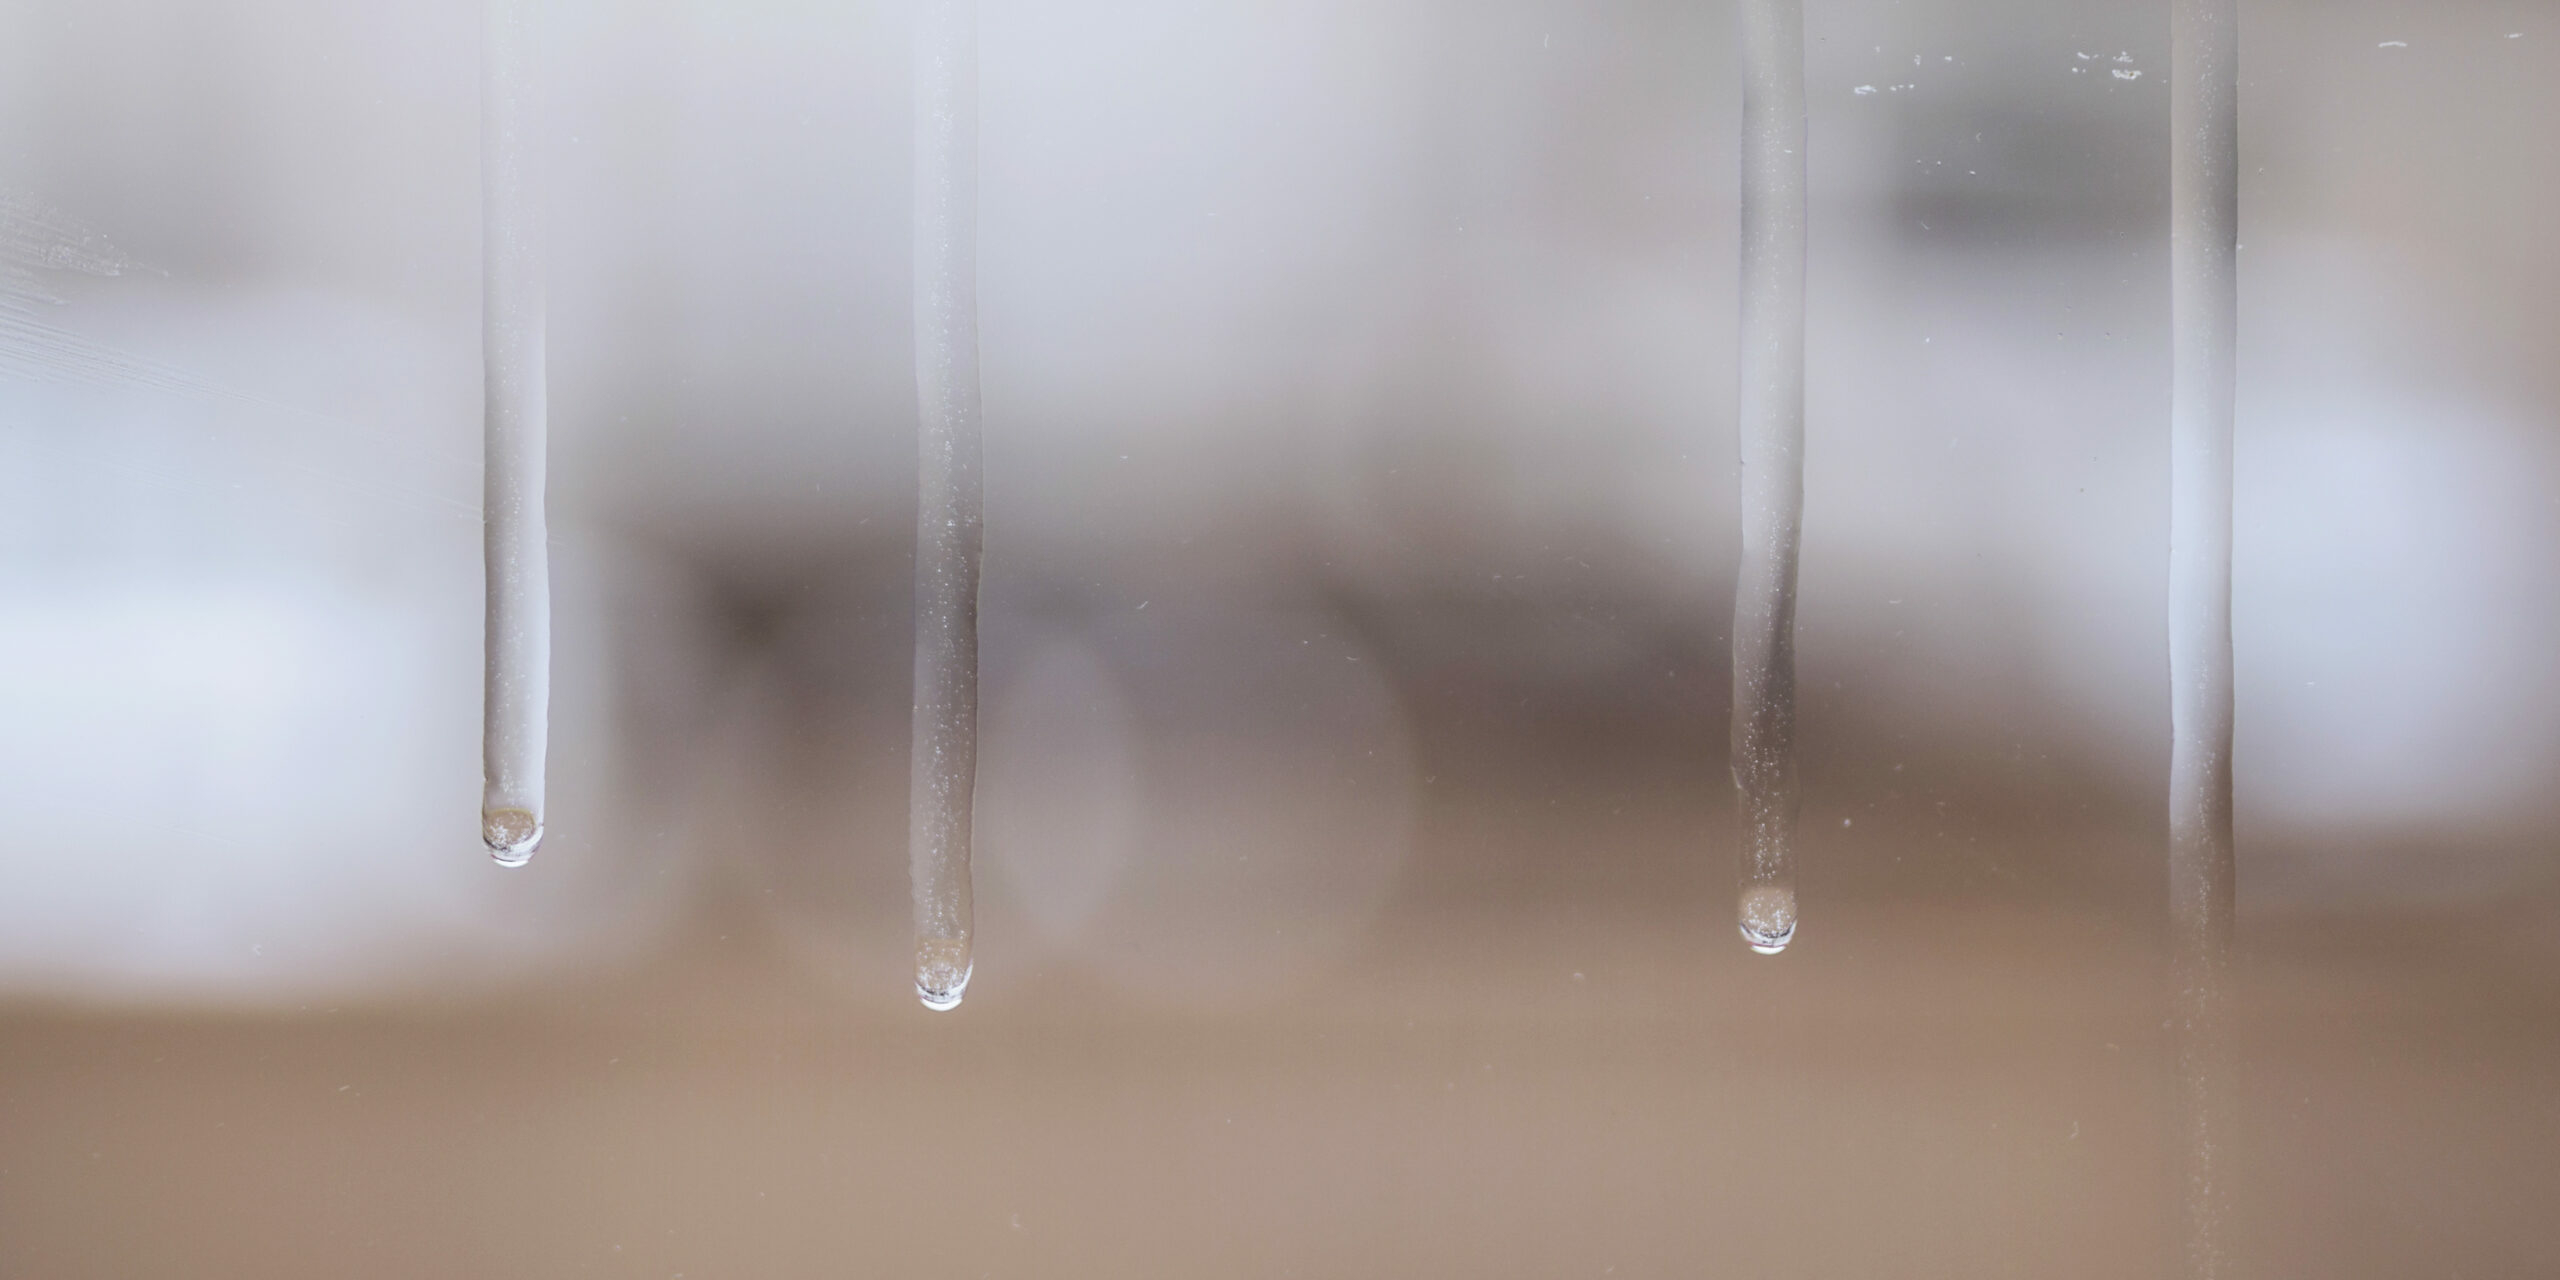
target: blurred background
1356 851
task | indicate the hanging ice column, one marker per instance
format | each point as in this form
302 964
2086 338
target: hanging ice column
2204 198
1772 421
516 695
949 496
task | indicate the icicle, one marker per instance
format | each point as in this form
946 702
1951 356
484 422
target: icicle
2204 198
516 698
949 496
1772 421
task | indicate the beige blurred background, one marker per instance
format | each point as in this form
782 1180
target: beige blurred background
1356 865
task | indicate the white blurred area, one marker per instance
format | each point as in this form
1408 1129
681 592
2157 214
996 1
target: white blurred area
1403 329
245 647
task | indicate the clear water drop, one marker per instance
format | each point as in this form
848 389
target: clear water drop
511 834
943 967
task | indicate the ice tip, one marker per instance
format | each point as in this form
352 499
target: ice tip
942 973
941 994
511 835
1768 917
1765 942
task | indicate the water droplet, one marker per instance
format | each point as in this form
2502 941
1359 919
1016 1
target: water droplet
1768 917
942 972
511 834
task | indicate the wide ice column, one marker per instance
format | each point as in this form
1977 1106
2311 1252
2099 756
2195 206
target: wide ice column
949 495
1772 430
2204 223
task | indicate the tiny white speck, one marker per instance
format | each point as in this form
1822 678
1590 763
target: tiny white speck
2122 74
2393 44
1863 90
